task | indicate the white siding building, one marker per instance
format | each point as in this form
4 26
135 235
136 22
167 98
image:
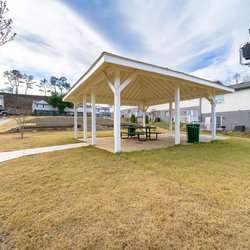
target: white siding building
1 102
232 109
42 108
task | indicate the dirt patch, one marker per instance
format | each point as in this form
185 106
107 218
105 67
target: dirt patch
61 123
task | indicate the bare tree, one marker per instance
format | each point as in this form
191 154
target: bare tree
236 78
6 33
7 90
63 85
15 79
246 78
10 82
21 120
44 86
28 81
53 82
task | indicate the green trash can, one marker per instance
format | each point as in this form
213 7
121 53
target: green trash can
193 132
131 130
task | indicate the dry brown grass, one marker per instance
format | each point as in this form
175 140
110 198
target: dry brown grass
12 123
88 198
8 125
12 141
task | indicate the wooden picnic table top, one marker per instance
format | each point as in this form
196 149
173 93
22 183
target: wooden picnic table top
139 126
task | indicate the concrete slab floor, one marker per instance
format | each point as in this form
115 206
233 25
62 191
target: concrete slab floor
164 140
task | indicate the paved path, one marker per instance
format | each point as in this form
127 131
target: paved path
5 156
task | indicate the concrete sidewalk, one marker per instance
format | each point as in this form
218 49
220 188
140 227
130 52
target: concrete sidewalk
5 156
3 121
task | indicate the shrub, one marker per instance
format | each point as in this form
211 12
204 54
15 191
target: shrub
133 118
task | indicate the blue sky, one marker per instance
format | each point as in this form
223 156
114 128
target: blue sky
64 37
108 20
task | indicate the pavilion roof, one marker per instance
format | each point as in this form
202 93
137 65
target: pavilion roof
150 84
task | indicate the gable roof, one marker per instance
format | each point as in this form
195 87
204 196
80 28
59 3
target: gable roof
240 86
41 102
152 84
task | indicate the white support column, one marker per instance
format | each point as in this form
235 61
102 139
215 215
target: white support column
144 110
117 88
75 121
177 116
143 118
170 118
85 117
93 118
117 112
213 116
114 119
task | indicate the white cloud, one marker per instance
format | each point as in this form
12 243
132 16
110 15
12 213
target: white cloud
51 40
177 34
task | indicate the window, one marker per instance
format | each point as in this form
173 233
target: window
167 113
219 99
218 122
40 105
192 113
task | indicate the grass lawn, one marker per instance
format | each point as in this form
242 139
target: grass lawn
8 125
182 197
12 141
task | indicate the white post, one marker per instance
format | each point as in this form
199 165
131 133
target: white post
177 116
213 116
85 117
144 110
75 121
117 112
93 118
144 119
170 112
114 119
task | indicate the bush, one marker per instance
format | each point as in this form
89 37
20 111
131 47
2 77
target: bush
133 118
56 101
147 120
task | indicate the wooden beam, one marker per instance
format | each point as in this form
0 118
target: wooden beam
128 81
109 81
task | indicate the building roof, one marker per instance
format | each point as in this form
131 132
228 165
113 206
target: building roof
150 84
240 86
40 102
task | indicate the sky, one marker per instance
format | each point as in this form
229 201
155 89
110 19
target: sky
64 37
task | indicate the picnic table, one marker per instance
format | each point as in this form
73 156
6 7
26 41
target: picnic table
142 133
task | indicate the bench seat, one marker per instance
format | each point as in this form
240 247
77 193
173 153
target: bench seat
139 134
156 135
131 134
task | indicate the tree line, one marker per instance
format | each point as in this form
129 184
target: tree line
16 80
